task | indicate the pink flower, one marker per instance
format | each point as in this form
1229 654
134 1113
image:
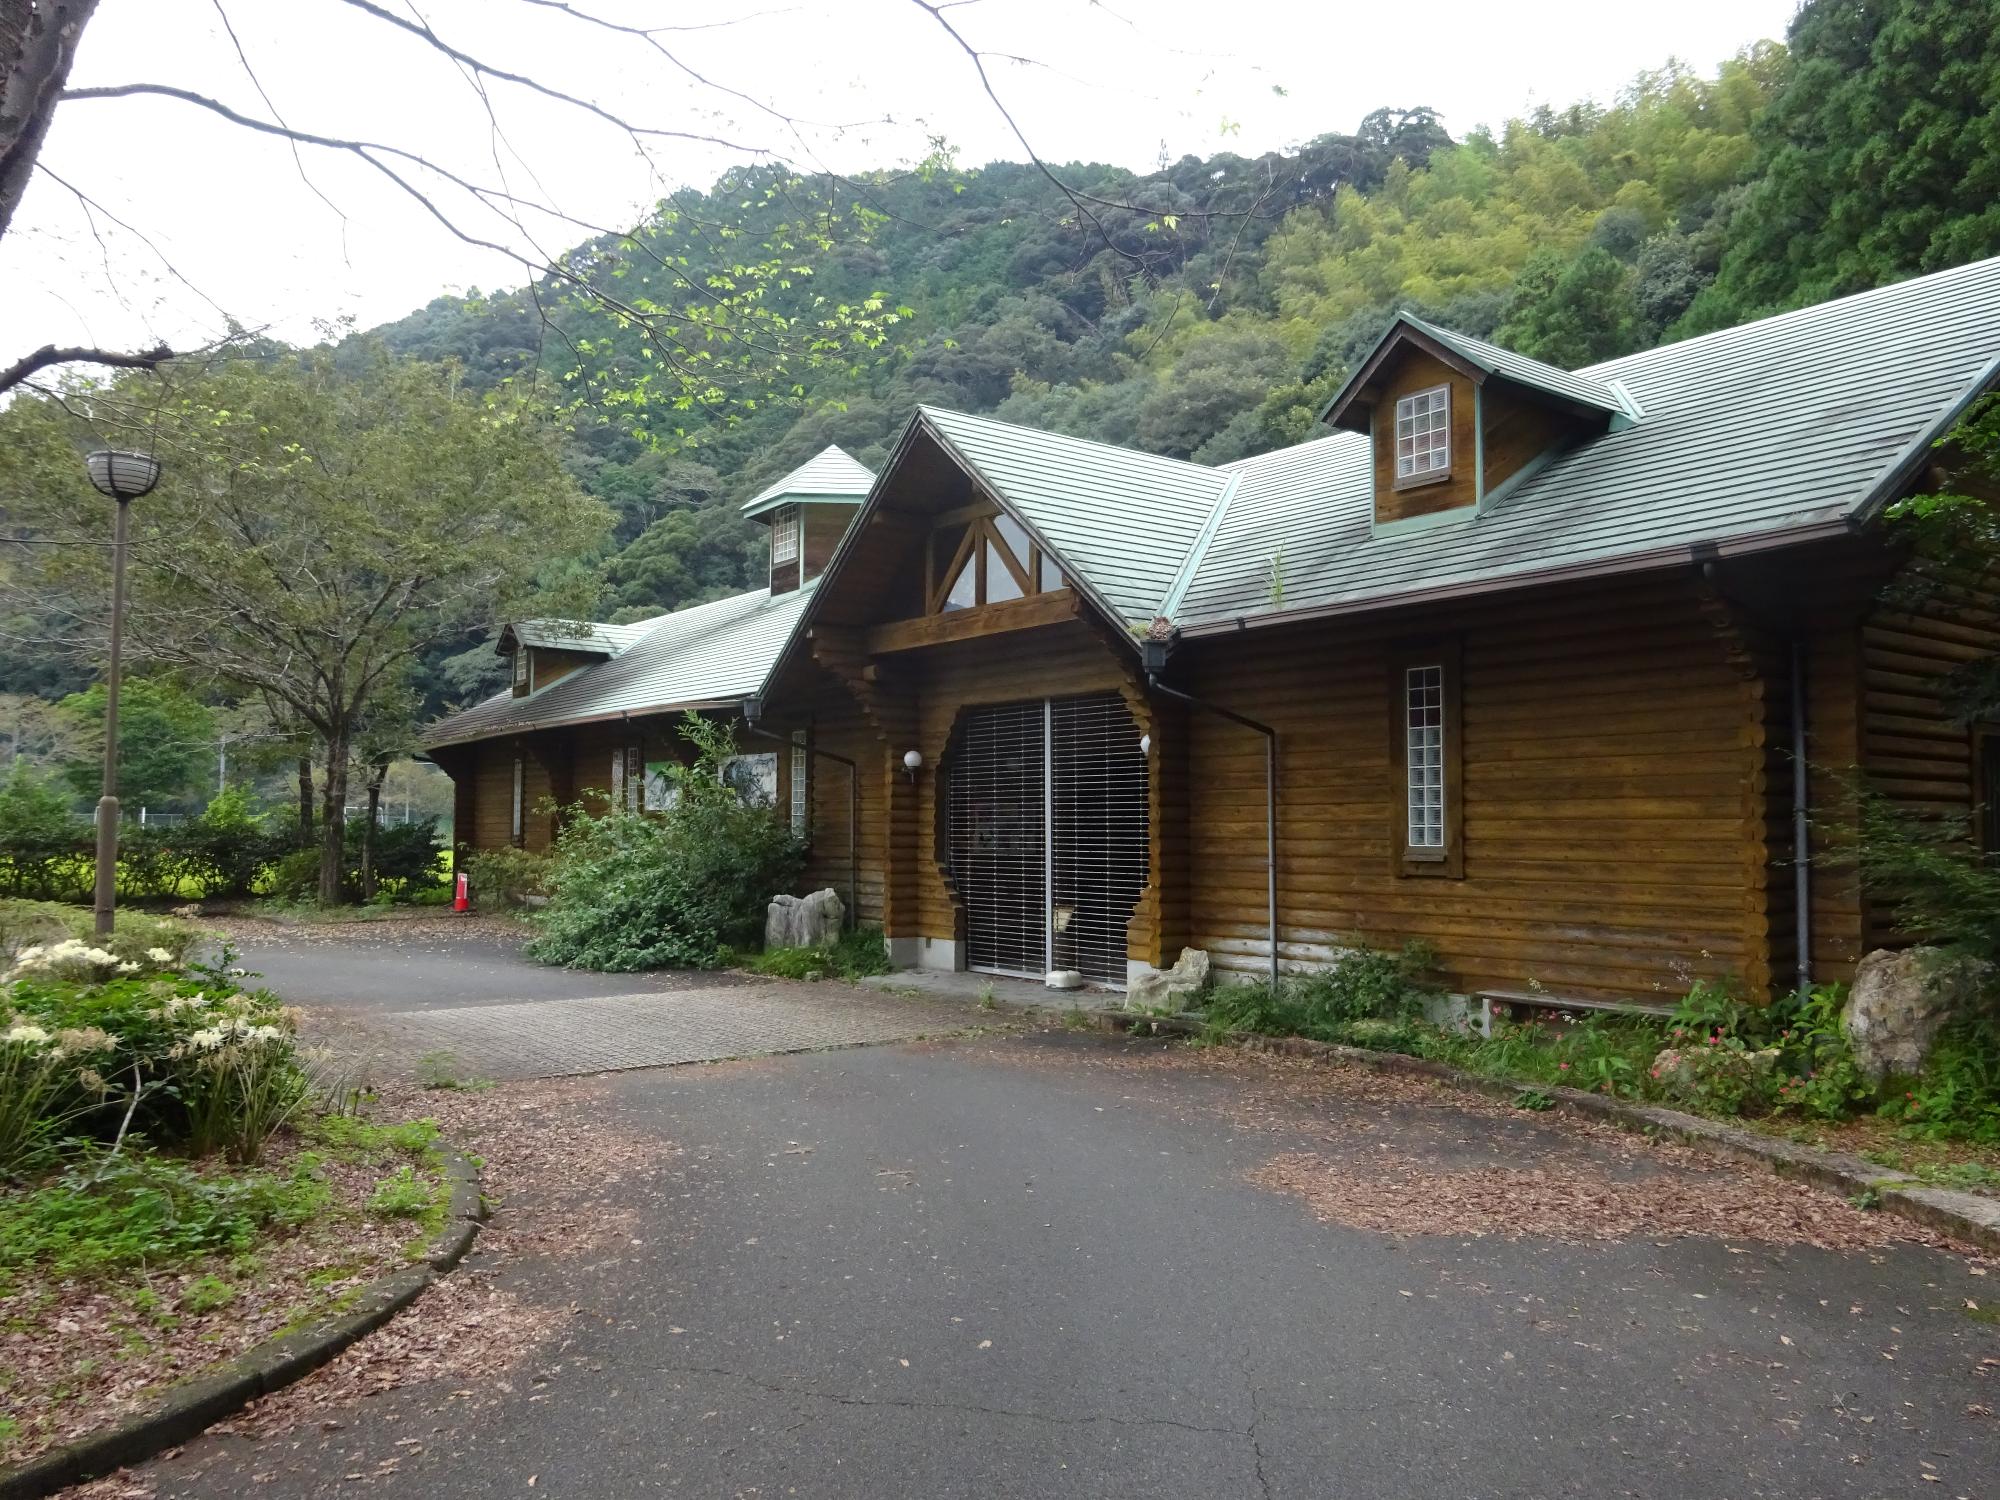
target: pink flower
1563 1066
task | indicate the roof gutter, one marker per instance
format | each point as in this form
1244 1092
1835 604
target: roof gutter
1638 562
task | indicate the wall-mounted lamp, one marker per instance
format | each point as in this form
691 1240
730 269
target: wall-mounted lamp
913 762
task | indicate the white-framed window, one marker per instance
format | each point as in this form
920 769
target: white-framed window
521 660
1423 718
1423 433
519 825
785 536
801 807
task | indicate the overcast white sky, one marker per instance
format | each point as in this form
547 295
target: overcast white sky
1121 81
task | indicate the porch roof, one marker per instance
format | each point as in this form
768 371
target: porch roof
704 656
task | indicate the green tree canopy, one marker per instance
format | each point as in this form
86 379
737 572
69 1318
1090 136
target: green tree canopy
1573 313
166 744
313 533
1881 159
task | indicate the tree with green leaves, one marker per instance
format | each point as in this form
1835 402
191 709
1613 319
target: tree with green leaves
1880 159
312 535
166 743
1572 313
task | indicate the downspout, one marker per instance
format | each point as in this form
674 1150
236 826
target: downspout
752 710
1801 807
1154 684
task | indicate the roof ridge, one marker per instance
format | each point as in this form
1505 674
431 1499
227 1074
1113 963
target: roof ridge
1069 437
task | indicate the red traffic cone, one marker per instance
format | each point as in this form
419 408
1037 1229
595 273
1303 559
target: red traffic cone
461 899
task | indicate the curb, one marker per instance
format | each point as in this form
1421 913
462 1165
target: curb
1964 1216
188 1409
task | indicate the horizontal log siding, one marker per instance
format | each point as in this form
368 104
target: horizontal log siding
1833 751
1608 751
839 726
1911 751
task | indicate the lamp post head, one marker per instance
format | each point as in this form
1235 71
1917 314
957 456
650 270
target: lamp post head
122 474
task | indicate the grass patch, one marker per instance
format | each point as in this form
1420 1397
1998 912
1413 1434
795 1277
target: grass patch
443 1070
103 1215
404 1195
856 955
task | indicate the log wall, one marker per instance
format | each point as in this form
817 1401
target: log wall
1612 781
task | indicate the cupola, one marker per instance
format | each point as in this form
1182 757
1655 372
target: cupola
807 512
1456 422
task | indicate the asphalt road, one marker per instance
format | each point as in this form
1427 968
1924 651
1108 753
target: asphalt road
422 965
1037 1266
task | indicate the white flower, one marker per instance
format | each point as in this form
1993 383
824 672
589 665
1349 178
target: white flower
266 1034
128 968
27 1035
208 1038
159 955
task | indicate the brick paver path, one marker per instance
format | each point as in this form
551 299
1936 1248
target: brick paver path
646 1029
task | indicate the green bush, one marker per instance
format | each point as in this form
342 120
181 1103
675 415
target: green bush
184 1059
1360 985
507 877
631 891
294 877
44 850
1958 1095
406 856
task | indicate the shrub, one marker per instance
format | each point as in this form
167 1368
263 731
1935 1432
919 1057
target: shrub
406 856
507 877
136 936
184 1059
1361 985
294 877
44 851
1958 1096
631 891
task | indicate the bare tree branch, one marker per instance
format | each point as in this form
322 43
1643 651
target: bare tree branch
49 354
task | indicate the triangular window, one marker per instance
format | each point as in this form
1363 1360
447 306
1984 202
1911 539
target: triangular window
1000 584
964 590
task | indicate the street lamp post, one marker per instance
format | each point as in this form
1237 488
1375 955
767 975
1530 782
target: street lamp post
124 477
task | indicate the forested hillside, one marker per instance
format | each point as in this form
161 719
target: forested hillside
1218 302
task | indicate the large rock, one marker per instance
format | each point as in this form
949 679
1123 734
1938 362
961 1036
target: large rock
804 921
1170 989
1899 1000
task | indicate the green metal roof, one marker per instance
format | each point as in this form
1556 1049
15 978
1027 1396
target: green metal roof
575 635
1120 521
1577 386
702 656
1776 432
1795 425
829 475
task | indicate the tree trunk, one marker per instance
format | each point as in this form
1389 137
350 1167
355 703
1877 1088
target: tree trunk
377 774
333 822
37 46
305 801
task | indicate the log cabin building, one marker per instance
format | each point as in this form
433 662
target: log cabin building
1559 671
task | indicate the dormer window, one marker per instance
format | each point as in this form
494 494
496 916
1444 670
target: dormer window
521 661
785 536
1423 436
